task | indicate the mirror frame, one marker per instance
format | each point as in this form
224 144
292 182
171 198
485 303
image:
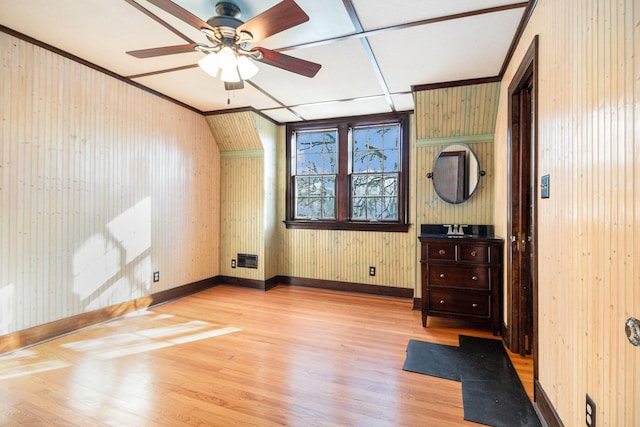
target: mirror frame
462 194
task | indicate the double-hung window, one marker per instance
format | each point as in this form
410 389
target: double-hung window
348 174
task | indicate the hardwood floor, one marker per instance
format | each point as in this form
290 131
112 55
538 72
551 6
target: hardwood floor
233 356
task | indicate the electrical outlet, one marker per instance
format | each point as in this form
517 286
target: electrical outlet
590 412
233 263
156 276
372 271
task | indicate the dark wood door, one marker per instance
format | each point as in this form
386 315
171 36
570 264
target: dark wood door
522 254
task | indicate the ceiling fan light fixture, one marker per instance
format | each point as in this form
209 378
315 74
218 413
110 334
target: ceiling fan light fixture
230 74
246 67
227 58
210 64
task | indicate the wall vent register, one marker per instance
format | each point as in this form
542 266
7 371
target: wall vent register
247 261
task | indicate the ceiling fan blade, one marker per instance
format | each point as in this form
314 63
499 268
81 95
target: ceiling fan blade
289 63
180 13
280 17
161 51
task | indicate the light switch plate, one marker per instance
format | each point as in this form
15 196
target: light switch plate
544 187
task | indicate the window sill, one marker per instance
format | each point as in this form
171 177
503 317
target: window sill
390 227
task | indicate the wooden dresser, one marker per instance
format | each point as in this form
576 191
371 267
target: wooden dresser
462 278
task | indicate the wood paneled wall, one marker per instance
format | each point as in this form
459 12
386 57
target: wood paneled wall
346 255
101 184
235 131
458 111
242 212
462 114
589 229
248 192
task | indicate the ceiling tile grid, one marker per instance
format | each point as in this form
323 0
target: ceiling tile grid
371 52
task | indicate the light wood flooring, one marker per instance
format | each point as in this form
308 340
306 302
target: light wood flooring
232 356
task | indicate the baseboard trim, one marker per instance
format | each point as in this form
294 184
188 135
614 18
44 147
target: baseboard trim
362 288
544 406
51 330
243 283
417 303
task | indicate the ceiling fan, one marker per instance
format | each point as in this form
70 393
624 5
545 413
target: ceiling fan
229 39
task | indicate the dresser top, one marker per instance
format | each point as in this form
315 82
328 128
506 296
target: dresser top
471 232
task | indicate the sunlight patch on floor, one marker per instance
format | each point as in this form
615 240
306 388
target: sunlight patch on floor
27 362
144 340
113 345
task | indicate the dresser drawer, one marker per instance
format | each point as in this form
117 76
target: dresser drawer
460 303
473 253
459 277
444 250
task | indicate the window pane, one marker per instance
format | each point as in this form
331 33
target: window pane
375 185
316 152
374 197
374 208
391 185
302 208
359 185
315 197
390 208
359 211
376 148
329 208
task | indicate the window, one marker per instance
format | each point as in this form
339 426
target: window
348 174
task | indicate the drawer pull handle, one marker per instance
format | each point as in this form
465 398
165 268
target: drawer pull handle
442 275
474 253
474 277
474 305
442 252
441 301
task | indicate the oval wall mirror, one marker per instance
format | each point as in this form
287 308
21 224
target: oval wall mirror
456 173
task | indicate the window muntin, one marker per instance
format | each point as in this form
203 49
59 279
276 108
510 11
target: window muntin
315 168
375 171
349 173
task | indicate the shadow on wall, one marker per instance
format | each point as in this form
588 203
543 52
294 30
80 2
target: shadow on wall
115 265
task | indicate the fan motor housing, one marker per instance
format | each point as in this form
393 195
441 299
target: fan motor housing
226 17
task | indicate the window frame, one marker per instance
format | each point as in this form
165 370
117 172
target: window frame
343 187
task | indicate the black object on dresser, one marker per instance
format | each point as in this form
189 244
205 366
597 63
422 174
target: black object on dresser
461 273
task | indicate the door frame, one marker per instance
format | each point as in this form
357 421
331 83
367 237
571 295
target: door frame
527 71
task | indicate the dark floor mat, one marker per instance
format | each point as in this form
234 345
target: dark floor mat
491 390
432 359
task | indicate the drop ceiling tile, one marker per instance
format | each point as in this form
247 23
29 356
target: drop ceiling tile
376 14
196 88
281 115
346 73
97 31
475 47
403 101
344 108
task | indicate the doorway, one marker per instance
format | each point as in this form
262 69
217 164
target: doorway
521 334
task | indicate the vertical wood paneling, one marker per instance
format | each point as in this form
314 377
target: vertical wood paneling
589 263
456 111
248 192
235 131
100 184
464 114
242 216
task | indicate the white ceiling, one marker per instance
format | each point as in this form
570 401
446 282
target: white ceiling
370 59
